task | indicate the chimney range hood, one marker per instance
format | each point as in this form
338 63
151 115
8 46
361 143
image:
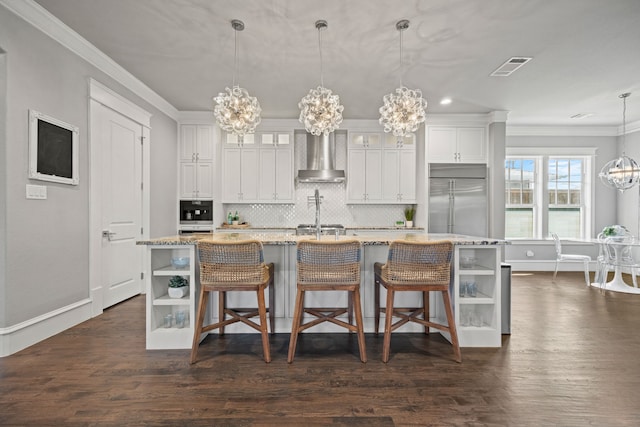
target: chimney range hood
320 160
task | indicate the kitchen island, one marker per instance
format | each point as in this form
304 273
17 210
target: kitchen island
477 318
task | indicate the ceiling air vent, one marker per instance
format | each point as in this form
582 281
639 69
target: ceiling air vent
510 66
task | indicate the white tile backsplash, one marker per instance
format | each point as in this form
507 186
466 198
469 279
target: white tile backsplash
333 210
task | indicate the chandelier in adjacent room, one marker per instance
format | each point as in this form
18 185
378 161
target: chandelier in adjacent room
621 173
404 110
235 110
320 110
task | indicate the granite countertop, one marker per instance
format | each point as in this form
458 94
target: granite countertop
290 238
347 228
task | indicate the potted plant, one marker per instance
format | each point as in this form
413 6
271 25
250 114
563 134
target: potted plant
409 213
615 231
178 287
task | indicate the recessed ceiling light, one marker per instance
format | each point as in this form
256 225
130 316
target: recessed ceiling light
445 101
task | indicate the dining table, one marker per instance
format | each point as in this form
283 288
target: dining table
617 284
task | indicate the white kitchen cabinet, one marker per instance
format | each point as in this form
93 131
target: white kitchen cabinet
259 170
364 184
275 139
407 142
381 169
196 162
456 144
159 305
372 140
240 175
196 180
478 318
231 140
276 175
275 184
196 143
399 176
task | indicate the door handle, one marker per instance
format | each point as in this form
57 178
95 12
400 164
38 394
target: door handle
108 234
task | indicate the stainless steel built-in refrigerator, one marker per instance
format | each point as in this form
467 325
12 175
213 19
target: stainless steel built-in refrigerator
458 199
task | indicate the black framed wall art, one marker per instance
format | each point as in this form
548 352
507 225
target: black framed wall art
53 149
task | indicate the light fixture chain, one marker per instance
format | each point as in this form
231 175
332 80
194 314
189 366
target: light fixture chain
236 66
624 123
401 62
320 49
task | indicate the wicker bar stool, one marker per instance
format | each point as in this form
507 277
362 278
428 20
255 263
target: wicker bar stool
328 266
415 266
234 266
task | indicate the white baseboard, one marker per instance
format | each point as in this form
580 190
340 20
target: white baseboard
547 265
18 337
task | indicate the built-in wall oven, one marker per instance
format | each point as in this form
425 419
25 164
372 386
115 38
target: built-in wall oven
196 216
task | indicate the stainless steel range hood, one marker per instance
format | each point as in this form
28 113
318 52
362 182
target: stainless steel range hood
321 160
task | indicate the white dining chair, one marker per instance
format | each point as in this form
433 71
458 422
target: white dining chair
561 257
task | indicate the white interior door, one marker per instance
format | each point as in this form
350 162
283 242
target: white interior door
120 148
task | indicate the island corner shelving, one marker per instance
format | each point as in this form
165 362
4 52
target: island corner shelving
159 334
478 317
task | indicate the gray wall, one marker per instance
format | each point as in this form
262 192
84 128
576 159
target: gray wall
3 181
47 243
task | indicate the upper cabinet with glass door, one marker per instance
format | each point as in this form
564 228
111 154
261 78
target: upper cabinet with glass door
232 140
407 142
371 140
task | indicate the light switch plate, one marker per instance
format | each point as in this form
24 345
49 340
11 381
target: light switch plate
38 192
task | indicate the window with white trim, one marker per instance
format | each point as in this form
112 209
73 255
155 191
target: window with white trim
547 194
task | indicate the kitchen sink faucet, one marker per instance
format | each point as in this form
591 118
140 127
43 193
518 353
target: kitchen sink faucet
317 199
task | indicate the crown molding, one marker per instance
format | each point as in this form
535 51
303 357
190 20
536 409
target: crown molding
522 130
44 21
631 128
498 116
195 117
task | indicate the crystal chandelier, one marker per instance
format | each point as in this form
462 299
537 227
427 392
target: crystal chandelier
404 110
621 173
235 110
320 110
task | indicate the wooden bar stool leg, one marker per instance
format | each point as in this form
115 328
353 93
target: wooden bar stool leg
425 305
358 309
452 326
202 308
295 327
376 305
262 309
272 302
388 318
222 306
350 308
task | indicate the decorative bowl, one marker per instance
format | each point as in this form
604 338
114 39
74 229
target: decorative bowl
180 262
467 261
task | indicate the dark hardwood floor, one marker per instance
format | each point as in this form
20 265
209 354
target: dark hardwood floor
573 359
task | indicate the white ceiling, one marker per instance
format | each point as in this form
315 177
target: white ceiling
585 52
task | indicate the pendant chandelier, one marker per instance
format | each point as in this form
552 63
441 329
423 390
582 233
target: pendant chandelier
621 173
235 110
320 110
404 110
